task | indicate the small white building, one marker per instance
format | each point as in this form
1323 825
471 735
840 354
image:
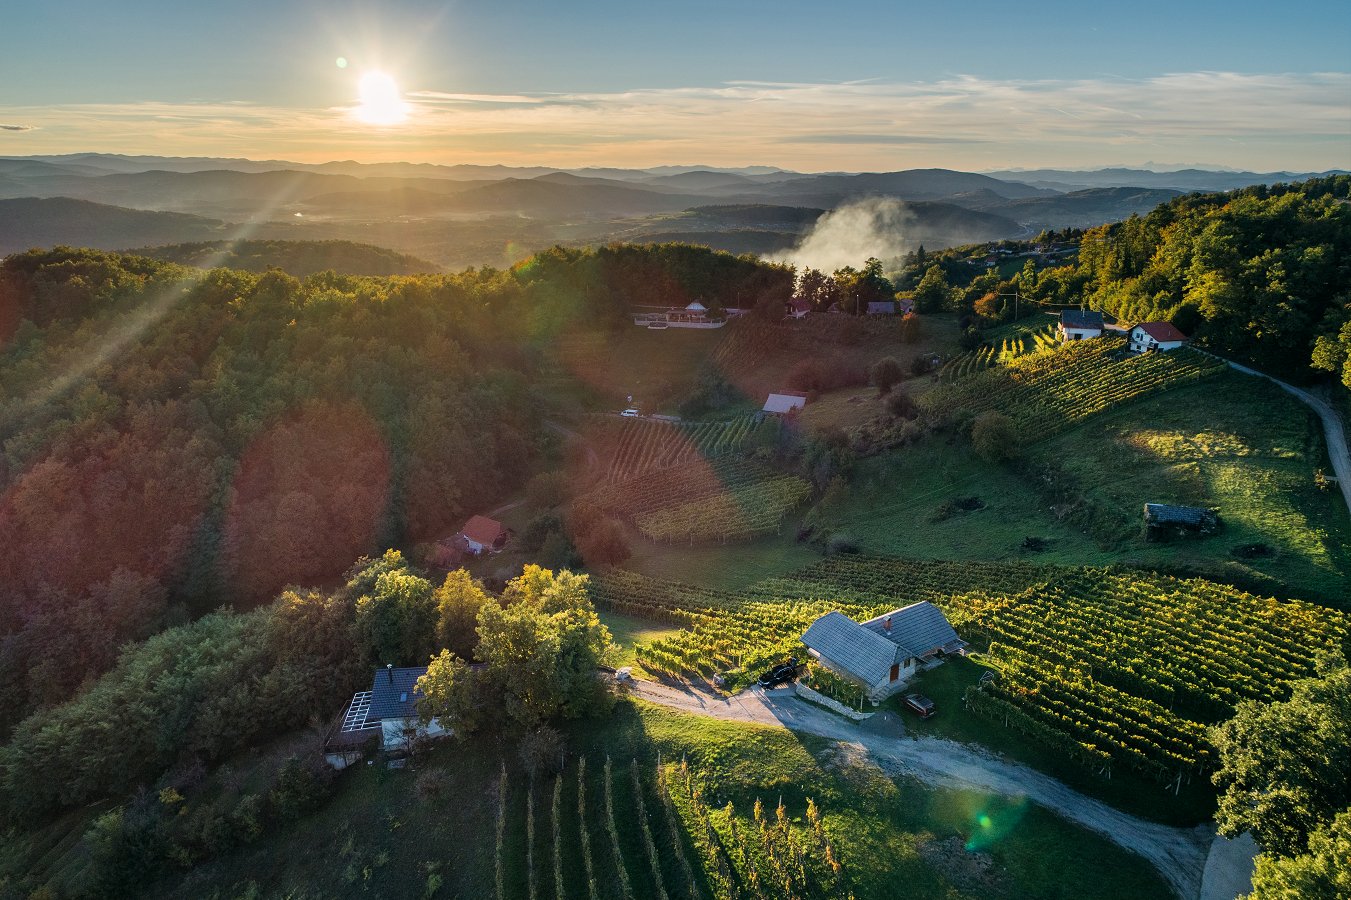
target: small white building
797 308
882 307
1080 324
1149 336
785 402
387 711
882 654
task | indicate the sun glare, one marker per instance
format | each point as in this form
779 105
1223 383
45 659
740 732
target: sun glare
381 102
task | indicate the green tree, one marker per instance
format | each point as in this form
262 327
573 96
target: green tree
886 373
994 437
458 601
933 293
397 621
1284 767
1323 873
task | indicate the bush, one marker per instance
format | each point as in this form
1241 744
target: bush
970 339
885 373
841 543
994 437
902 406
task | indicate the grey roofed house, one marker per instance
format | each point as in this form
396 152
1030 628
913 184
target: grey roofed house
394 693
919 629
1164 520
1081 318
851 649
784 402
882 307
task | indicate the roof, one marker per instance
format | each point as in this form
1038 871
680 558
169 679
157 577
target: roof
394 693
1166 513
800 304
696 306
785 402
917 628
850 647
1163 332
483 530
879 307
1080 318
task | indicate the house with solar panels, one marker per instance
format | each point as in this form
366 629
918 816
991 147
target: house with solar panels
883 653
386 714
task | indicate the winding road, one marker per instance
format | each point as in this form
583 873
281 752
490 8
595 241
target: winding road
1332 426
1179 854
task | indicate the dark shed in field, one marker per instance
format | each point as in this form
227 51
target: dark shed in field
1164 521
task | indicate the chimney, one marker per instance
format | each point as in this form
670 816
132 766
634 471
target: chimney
886 624
389 667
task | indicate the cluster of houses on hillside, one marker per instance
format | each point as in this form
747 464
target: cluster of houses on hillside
800 308
1146 337
692 315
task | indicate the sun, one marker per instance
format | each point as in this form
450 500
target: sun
381 103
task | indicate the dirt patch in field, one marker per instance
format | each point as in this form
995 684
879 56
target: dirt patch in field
972 871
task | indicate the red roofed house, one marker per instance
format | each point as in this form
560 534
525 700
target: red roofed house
483 535
1149 336
798 308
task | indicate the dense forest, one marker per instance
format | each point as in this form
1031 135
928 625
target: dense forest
298 258
176 440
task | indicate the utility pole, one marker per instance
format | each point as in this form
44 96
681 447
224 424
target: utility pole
1014 295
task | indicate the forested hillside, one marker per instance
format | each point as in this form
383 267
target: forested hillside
175 440
1259 274
298 258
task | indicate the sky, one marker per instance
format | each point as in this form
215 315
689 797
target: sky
848 86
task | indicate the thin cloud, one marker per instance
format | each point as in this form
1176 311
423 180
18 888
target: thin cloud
1281 121
18 127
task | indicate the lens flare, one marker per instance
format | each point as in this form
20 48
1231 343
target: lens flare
381 102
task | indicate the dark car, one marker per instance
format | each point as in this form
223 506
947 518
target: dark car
920 705
779 674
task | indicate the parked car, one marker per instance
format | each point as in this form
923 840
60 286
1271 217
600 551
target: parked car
630 413
920 705
779 674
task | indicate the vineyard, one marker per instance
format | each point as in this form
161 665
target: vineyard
1046 392
684 848
1006 351
736 513
1117 670
634 446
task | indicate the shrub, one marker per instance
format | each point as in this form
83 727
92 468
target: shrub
902 406
994 437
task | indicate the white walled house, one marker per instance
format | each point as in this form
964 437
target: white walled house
882 654
1149 336
483 535
1080 325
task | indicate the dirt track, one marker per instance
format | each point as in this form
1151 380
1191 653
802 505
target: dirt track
1178 854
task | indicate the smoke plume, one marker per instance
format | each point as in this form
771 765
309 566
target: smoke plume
850 234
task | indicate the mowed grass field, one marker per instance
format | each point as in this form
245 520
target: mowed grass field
429 831
1232 442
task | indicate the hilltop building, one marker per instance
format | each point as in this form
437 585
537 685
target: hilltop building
882 654
482 535
694 315
387 712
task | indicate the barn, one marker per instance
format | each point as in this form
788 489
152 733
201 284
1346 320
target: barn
882 654
1151 336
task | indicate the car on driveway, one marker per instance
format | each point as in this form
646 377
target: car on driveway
779 674
920 705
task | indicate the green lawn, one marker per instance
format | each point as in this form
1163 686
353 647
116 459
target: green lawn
1236 443
380 836
1233 442
628 630
721 566
947 684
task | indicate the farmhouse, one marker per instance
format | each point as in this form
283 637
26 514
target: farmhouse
1080 324
797 308
1149 336
482 535
388 711
785 402
1164 521
880 655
